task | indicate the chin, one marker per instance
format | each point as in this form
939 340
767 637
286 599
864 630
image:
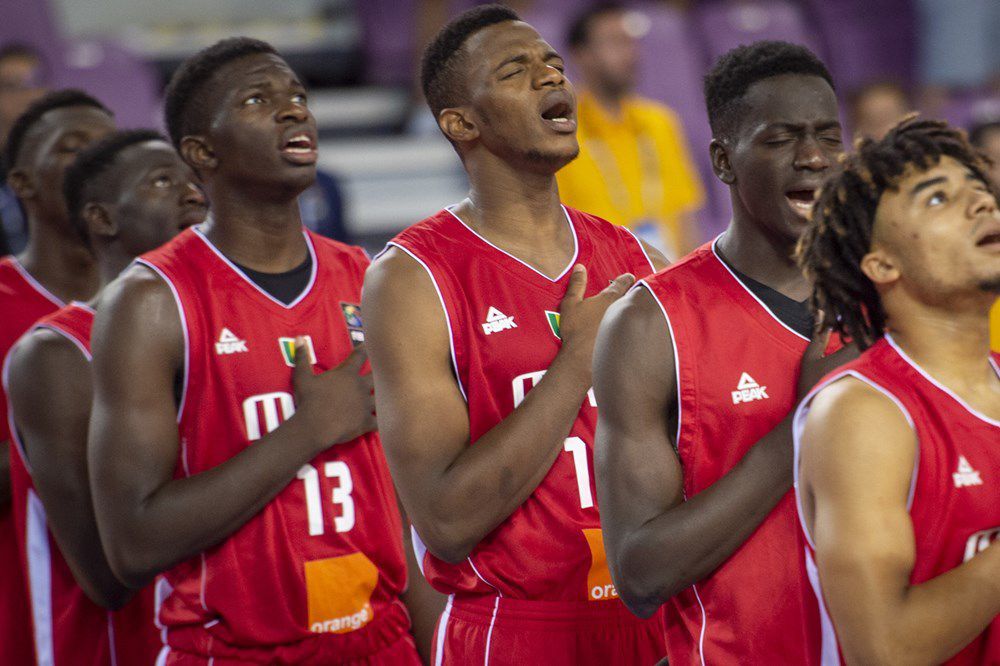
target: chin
550 161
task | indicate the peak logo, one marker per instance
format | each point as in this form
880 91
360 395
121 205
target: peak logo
229 344
497 321
748 390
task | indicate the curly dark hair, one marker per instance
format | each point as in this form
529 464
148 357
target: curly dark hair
184 106
58 99
737 70
91 164
440 76
840 235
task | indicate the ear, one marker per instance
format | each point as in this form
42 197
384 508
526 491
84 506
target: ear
457 126
720 162
198 154
880 267
98 220
21 184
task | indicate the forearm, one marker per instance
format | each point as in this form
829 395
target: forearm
490 479
925 623
422 601
159 531
687 542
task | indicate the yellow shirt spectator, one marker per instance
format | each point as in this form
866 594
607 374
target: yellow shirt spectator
635 170
995 327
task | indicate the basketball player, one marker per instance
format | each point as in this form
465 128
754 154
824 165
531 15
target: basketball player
219 457
480 322
127 194
697 372
897 452
55 268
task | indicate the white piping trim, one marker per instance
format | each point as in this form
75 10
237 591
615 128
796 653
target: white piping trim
704 624
442 631
35 283
204 569
715 252
11 426
65 334
569 266
287 306
111 640
83 306
162 590
969 408
677 358
419 549
40 579
829 650
480 576
489 634
184 329
642 247
798 426
447 316
161 658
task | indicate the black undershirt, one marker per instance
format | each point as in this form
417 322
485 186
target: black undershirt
794 314
285 287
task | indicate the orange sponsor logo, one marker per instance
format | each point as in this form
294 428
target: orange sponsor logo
339 592
599 585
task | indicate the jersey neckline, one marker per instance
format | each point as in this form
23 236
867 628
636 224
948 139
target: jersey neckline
35 284
923 373
246 279
555 280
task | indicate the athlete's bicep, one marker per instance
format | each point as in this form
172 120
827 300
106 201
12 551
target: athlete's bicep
137 344
637 470
856 467
422 415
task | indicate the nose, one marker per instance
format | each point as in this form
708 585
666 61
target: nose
983 202
193 195
294 111
811 155
548 75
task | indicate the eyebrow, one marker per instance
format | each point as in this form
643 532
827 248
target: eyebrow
790 126
523 57
924 184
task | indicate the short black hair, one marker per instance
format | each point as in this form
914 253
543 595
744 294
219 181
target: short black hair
20 50
91 163
185 114
740 68
840 234
58 99
438 76
579 30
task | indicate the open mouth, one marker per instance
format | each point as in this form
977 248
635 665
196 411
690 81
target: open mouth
559 116
300 148
192 216
801 201
990 240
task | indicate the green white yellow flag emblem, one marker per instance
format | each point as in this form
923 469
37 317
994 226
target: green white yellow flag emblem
288 349
553 318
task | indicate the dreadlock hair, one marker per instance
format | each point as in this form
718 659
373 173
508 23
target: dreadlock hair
440 76
184 106
840 235
58 99
734 73
90 165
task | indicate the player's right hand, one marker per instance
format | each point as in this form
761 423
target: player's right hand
815 365
580 317
337 405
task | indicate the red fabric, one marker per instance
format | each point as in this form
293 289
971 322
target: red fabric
75 630
955 511
252 591
485 630
737 375
550 548
22 302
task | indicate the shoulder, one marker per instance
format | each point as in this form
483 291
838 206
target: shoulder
44 360
139 299
689 272
850 409
636 315
350 254
396 269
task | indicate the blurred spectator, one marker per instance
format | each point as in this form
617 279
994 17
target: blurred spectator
634 167
986 137
22 74
322 208
877 107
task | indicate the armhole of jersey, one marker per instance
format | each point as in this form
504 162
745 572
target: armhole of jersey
68 336
184 329
798 425
444 308
642 248
677 363
15 439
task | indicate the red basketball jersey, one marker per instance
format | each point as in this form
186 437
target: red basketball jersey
69 628
504 332
737 370
316 576
23 301
954 501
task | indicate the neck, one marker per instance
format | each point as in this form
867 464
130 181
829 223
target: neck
264 234
765 258
951 343
59 261
512 203
111 261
